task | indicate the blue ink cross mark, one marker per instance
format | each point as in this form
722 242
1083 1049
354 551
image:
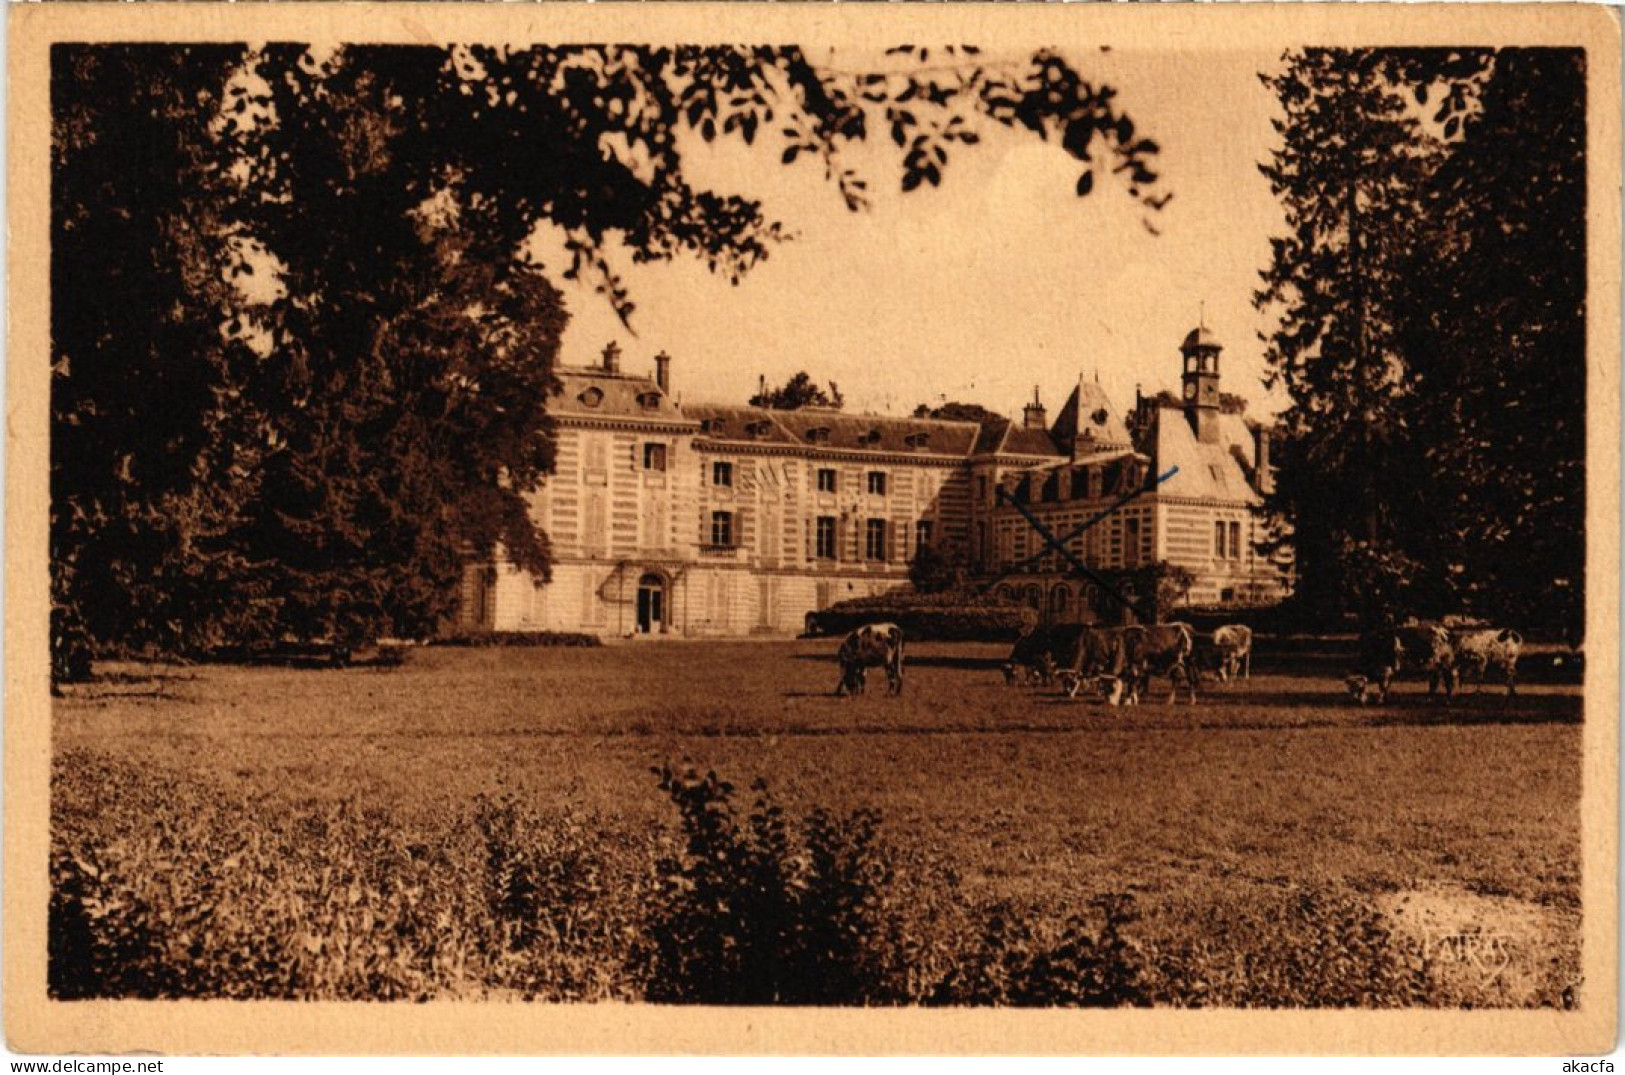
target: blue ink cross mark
1058 544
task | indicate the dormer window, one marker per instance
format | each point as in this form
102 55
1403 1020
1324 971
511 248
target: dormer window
818 435
713 425
758 430
917 441
649 400
870 438
592 397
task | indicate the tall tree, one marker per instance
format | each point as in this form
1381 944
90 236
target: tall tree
1430 291
146 478
301 354
1351 161
1495 335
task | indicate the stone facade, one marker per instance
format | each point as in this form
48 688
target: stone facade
709 520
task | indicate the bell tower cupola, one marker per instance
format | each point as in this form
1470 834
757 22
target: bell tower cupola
1201 383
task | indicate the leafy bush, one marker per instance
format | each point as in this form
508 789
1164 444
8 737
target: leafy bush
215 896
935 570
1321 947
165 887
520 638
749 913
951 616
1022 959
562 912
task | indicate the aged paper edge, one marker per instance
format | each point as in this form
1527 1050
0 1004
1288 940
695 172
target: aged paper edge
35 1024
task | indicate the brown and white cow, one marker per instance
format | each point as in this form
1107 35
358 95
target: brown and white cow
1233 645
1157 650
874 645
1478 650
1099 656
1383 653
1042 651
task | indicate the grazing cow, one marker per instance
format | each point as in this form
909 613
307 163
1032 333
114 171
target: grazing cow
1041 651
1383 653
1100 655
875 645
1427 646
1234 644
1380 657
1478 650
1157 650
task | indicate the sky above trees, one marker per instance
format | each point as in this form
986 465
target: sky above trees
998 280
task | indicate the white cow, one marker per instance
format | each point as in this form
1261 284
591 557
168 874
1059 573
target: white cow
1234 645
1479 650
875 645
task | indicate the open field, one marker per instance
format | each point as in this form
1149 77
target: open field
1453 818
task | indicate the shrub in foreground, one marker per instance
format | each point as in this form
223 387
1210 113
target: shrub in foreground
753 910
165 888
171 889
1320 947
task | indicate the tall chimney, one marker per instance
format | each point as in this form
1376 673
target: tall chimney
663 372
1265 479
612 357
1033 413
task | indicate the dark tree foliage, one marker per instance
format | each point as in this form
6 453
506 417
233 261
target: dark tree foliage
1430 289
146 478
938 570
1352 157
300 354
799 391
412 343
953 411
1495 337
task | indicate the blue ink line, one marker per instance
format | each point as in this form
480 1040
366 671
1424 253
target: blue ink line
1052 543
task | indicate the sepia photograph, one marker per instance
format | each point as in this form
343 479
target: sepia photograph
542 518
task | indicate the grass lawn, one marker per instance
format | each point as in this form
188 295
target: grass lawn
1276 781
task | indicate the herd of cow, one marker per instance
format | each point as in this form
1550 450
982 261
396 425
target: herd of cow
1120 662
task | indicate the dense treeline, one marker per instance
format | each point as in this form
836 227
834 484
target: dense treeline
1431 293
301 347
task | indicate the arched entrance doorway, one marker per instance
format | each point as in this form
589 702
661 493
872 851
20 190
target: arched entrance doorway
651 603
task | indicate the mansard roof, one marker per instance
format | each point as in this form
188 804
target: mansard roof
597 393
821 427
1122 471
1005 437
1221 471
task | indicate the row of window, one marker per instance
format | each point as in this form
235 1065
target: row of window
825 535
722 473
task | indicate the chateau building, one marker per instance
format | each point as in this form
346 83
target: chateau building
714 520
